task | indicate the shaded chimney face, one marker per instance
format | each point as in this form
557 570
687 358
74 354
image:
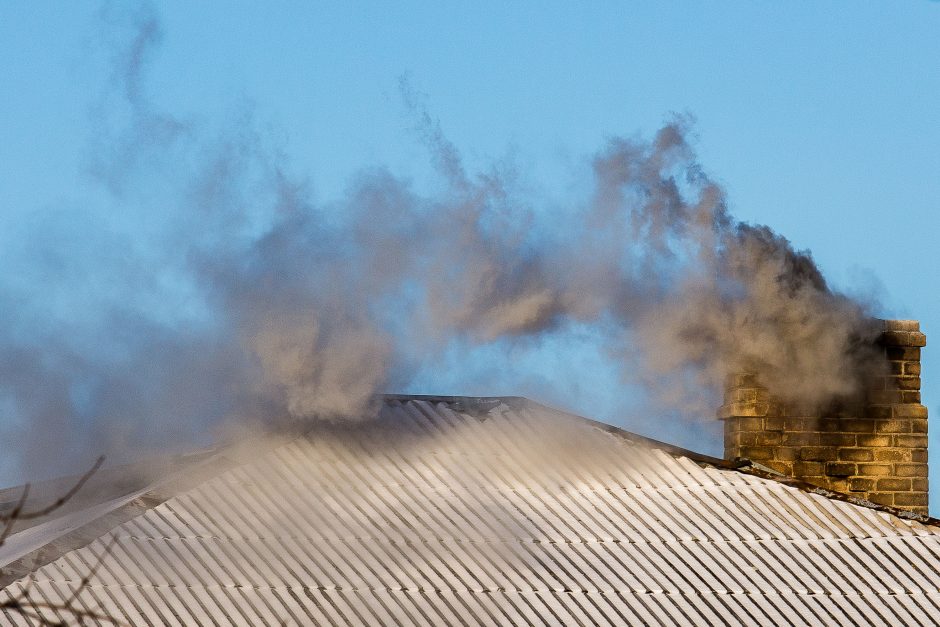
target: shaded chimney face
873 447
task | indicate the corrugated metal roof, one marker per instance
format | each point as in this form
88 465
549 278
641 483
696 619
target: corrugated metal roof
455 512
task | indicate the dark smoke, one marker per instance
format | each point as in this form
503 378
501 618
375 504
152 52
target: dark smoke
223 292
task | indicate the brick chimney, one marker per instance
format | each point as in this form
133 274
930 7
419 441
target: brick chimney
875 449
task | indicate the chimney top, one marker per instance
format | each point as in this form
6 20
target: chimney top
901 325
902 333
875 448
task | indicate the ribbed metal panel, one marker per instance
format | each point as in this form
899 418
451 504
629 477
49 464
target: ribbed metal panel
442 513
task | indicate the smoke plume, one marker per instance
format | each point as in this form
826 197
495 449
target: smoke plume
219 290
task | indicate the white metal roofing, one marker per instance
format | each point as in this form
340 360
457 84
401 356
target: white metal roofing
446 513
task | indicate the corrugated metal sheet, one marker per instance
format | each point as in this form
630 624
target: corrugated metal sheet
461 513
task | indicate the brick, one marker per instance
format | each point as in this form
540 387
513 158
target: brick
892 455
873 440
896 367
918 426
885 397
911 367
808 469
794 424
910 397
910 499
902 353
839 439
742 380
793 438
879 411
774 423
910 470
910 411
856 454
779 409
768 438
858 426
829 425
894 484
744 395
747 438
838 485
893 426
874 470
839 410
839 469
858 484
907 383
910 441
750 424
882 498
818 453
900 325
903 338
785 453
732 411
919 455
757 453
919 485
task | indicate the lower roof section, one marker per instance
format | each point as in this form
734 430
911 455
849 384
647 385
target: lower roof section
467 511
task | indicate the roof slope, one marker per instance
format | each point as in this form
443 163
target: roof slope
454 512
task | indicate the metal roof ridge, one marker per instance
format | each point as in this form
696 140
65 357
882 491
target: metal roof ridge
672 449
489 402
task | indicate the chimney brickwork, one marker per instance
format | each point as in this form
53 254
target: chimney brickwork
875 449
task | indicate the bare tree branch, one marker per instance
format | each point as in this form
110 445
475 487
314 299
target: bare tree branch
17 514
37 610
13 516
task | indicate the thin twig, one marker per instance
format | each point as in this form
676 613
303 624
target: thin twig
94 569
14 515
62 500
24 603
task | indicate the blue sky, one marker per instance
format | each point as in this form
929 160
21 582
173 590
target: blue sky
820 119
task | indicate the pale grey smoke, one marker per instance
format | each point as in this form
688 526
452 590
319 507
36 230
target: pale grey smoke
320 372
690 294
221 291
